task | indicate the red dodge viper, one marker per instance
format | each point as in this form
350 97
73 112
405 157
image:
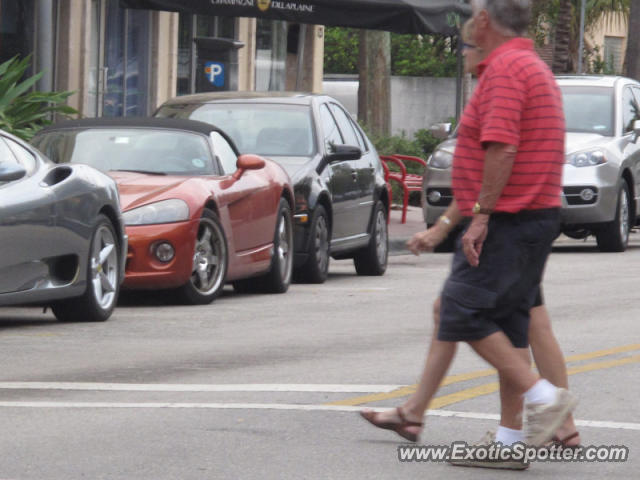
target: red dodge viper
197 213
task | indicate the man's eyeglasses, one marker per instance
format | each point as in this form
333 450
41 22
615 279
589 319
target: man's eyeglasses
468 46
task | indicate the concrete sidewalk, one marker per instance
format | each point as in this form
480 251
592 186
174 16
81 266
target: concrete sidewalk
400 233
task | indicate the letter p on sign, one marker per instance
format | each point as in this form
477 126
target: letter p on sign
215 73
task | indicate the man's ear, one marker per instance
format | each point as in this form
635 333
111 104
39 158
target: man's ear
482 19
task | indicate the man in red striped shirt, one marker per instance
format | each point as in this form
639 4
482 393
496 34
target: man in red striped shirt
506 177
507 182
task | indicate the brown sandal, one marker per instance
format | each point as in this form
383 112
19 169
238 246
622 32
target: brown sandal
399 427
563 442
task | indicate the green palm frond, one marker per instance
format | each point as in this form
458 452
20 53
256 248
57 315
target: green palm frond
22 111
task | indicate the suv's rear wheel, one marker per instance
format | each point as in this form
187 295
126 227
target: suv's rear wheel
614 236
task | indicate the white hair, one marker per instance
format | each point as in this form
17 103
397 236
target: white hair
509 17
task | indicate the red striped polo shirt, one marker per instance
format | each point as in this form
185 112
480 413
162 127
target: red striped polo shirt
516 102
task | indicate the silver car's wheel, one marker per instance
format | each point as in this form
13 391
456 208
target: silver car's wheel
210 260
104 267
623 216
103 281
614 236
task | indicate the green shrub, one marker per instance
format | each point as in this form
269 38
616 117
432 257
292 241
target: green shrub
24 112
411 55
421 146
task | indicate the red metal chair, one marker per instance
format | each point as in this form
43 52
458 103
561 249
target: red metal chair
410 182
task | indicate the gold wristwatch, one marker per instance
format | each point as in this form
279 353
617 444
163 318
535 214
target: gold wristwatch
478 209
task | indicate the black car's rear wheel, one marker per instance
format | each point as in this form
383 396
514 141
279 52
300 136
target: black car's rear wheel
316 268
614 236
103 282
210 261
372 259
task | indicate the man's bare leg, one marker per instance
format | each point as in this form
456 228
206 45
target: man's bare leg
511 403
512 366
550 361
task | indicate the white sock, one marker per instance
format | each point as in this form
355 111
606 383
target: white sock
509 436
541 392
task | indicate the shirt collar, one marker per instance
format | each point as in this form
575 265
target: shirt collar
517 43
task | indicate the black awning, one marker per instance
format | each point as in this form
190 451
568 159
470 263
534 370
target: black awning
401 16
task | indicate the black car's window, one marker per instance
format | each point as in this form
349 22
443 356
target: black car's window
149 150
630 111
588 109
344 123
225 153
276 129
361 140
24 156
329 128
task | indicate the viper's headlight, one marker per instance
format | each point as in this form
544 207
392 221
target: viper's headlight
166 211
441 159
588 158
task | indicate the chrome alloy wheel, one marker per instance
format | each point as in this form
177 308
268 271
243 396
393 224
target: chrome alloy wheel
104 267
624 216
381 237
321 242
208 258
285 244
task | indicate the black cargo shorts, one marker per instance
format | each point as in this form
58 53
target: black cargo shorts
498 294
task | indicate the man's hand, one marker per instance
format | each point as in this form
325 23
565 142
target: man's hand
427 240
474 238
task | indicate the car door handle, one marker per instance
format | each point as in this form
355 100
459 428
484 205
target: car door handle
354 175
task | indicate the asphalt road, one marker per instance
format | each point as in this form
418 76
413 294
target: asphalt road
268 386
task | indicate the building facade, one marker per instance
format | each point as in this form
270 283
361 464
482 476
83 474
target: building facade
125 62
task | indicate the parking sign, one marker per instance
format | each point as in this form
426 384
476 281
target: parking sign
214 71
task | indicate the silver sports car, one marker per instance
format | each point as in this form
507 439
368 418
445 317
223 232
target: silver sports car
63 240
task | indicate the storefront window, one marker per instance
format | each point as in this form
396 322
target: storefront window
271 55
127 52
16 28
197 26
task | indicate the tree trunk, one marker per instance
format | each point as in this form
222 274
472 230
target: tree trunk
374 93
632 57
562 38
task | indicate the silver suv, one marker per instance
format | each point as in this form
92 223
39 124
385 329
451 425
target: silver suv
601 181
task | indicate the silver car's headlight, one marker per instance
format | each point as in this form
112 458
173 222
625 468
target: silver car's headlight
588 158
166 211
441 159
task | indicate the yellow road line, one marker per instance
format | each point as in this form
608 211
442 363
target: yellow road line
463 377
409 389
603 353
469 393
